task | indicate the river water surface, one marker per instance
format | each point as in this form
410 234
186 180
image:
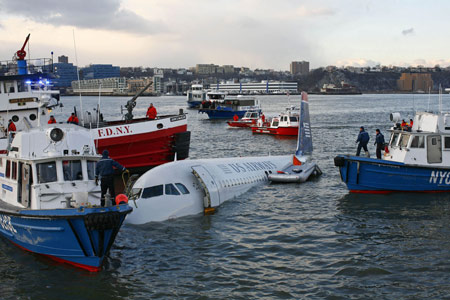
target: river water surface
308 241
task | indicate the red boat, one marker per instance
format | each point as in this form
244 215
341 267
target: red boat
143 143
286 124
247 120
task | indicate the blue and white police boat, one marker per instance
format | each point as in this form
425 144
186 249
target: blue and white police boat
417 159
231 106
49 202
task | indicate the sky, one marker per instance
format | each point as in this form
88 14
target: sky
266 34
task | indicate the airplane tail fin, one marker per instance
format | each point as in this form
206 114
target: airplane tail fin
304 141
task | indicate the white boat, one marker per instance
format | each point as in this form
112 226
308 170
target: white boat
195 96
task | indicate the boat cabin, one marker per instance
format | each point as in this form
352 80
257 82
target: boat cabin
427 142
50 167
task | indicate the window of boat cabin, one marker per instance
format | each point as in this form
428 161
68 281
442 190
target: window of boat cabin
404 139
275 122
153 191
46 172
183 189
254 115
72 170
171 189
418 141
9 87
293 119
14 170
21 86
394 139
8 169
91 169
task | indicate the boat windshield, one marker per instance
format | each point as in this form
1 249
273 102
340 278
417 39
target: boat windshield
404 139
46 172
293 119
418 141
72 170
394 139
91 169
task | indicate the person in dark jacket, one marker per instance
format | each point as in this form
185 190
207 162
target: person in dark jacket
105 169
379 141
363 140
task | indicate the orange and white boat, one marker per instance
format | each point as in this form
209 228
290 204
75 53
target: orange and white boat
286 124
248 120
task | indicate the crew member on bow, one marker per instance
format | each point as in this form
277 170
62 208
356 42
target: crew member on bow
11 126
105 169
363 140
379 141
73 119
151 112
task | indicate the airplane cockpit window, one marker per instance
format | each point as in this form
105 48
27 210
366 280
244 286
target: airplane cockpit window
182 188
153 191
171 190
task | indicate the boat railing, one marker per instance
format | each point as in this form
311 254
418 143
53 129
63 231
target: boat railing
33 66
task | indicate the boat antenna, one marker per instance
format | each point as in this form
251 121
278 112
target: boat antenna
429 98
440 99
78 75
98 109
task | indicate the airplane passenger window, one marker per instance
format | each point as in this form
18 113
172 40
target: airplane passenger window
171 190
153 191
182 188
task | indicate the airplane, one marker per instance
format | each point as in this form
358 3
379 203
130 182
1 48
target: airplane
189 187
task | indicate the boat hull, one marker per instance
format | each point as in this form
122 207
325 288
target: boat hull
369 175
194 104
286 131
223 114
79 236
241 123
145 143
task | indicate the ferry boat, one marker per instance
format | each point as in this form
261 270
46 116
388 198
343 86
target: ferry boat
195 96
231 106
286 124
49 202
249 119
417 160
136 143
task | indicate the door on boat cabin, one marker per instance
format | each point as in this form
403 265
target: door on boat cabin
24 184
209 185
434 149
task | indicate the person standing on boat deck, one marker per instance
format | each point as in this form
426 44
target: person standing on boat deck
263 118
235 118
151 112
105 169
11 126
52 120
363 140
73 119
379 141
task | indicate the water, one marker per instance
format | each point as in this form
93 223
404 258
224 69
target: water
290 241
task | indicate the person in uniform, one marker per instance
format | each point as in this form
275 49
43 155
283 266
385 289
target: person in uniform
379 141
363 140
105 169
52 120
151 112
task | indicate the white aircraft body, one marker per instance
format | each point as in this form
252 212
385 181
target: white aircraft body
189 187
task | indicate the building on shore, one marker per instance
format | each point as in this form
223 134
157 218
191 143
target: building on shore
415 82
263 87
114 85
299 67
98 71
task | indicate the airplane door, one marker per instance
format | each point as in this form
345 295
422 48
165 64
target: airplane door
212 198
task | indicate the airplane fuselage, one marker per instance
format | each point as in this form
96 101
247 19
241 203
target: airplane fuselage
186 187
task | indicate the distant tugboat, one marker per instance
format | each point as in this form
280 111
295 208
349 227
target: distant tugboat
231 106
417 160
195 96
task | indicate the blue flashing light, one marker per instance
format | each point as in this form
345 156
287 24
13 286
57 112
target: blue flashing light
47 81
41 82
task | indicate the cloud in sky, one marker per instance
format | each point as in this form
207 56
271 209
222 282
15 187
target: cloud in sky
91 14
408 31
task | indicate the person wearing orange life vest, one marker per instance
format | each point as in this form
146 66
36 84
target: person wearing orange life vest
51 120
263 118
73 119
235 118
151 112
411 123
403 125
11 126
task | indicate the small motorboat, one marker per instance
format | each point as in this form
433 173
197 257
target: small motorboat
285 124
249 119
